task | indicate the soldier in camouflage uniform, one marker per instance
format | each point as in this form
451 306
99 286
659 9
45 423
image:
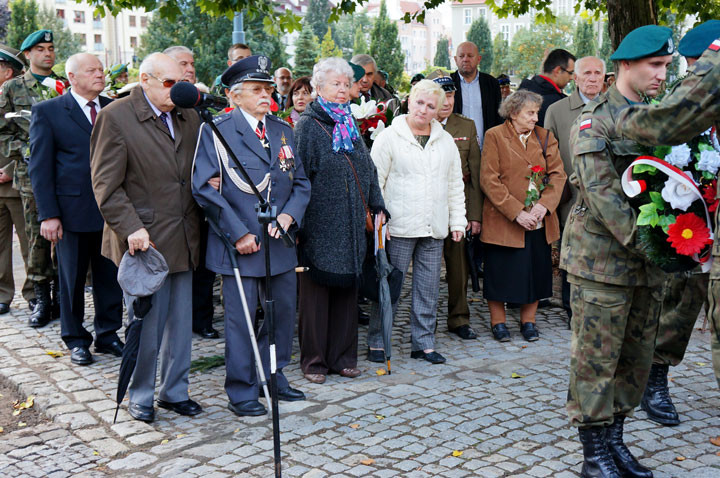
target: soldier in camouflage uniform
615 292
18 95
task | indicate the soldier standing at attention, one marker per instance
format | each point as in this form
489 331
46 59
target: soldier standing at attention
19 94
615 293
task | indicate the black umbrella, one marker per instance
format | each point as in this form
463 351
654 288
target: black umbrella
472 264
384 298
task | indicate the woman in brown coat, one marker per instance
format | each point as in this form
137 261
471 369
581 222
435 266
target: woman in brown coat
519 157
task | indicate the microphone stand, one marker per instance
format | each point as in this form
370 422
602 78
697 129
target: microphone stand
266 214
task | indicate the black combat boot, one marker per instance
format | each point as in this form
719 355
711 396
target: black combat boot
656 400
41 315
625 461
598 463
55 297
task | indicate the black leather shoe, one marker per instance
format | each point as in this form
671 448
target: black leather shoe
624 460
377 356
597 462
529 331
432 357
41 314
186 407
248 408
208 333
656 400
501 332
81 356
4 308
113 348
31 304
290 394
141 412
465 332
363 317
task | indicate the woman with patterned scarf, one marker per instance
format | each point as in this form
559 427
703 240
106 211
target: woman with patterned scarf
332 241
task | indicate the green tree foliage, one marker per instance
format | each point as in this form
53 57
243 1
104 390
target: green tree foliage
4 19
23 21
345 32
307 50
385 45
479 34
328 47
529 46
584 43
501 51
317 16
359 44
606 48
442 55
262 42
65 42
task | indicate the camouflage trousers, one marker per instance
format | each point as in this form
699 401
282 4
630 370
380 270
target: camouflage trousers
613 336
40 265
685 295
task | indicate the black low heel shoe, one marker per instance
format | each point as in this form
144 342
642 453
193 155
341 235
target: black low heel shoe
432 357
529 331
501 332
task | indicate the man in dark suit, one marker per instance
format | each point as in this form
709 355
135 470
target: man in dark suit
60 173
477 94
558 70
141 154
266 147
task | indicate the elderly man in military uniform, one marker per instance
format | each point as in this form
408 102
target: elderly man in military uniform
265 145
464 133
18 95
11 212
615 291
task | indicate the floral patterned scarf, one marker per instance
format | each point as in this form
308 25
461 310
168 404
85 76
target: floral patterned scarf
345 131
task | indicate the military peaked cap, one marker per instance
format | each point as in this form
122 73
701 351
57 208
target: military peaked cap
252 68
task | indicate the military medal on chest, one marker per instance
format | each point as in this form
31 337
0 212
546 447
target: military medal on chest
286 156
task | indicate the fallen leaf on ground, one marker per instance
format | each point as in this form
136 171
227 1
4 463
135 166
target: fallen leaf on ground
369 461
182 435
355 426
517 375
164 442
700 364
380 371
2 429
379 417
22 424
715 441
16 413
457 453
18 405
236 430
524 347
95 453
680 458
54 353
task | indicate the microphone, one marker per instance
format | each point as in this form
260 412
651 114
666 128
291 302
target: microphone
185 95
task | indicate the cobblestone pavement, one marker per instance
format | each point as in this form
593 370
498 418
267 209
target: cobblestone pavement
501 405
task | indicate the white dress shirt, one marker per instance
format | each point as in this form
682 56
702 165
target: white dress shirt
158 113
83 103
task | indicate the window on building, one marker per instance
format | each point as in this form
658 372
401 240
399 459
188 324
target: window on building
505 30
79 16
98 38
133 42
60 13
468 16
143 22
131 20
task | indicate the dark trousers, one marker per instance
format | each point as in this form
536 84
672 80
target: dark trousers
565 293
328 330
75 251
202 287
457 270
241 381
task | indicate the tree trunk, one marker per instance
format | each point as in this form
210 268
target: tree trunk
627 15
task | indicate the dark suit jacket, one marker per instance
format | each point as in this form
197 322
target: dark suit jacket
141 178
541 86
60 165
491 99
290 191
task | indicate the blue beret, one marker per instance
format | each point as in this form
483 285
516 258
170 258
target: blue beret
696 41
252 68
644 42
12 56
358 71
40 36
446 83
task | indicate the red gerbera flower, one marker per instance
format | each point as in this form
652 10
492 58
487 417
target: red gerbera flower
709 195
688 235
537 169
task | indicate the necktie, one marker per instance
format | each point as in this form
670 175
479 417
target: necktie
164 118
260 130
93 112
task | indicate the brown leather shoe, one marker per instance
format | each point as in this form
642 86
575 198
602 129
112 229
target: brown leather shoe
315 377
350 372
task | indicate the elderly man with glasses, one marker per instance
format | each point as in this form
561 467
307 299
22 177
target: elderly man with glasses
141 152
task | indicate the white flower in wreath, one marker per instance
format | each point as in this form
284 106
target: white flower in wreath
709 161
364 109
678 194
377 131
679 156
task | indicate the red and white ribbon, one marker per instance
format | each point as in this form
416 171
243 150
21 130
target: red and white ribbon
54 84
633 187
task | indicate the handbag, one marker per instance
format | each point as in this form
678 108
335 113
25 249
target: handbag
368 217
566 195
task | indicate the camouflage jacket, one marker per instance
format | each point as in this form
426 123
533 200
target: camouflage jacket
691 108
598 243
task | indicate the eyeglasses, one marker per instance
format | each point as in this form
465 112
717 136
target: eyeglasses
165 83
257 89
569 72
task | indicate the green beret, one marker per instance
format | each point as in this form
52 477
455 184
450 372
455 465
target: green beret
12 56
644 42
115 70
358 71
40 36
696 41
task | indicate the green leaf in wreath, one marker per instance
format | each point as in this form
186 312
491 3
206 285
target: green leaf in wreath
708 175
644 168
662 151
665 221
648 215
704 147
657 199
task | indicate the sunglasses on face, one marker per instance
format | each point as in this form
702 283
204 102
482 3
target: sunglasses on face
165 83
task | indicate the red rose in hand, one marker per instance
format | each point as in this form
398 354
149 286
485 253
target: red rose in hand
688 235
537 169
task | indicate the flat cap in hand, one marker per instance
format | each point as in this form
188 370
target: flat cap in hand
142 274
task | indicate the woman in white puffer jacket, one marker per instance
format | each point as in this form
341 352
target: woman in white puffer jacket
420 177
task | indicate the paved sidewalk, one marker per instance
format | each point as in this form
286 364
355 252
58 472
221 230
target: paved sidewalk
500 405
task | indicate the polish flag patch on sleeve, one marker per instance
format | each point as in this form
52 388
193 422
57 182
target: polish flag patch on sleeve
586 124
715 46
